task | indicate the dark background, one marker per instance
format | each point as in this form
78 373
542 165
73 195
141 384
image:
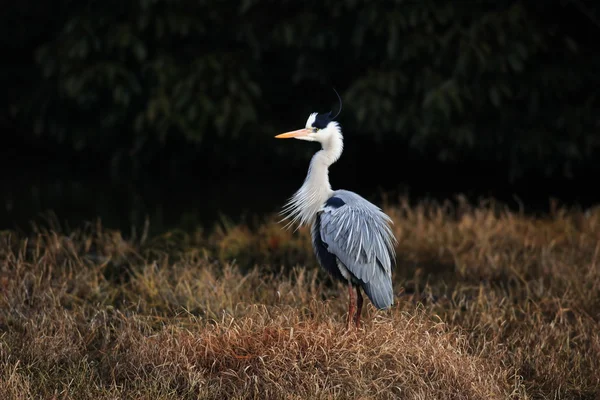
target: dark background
167 109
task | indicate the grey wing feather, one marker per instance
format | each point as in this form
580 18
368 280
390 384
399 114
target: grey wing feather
380 291
359 234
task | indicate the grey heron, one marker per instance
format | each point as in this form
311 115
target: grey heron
352 238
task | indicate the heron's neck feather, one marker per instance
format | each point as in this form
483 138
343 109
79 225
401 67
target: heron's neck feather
306 202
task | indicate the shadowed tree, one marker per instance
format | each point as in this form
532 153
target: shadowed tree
501 82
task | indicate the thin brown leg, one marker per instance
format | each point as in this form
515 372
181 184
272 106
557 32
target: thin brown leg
351 307
359 304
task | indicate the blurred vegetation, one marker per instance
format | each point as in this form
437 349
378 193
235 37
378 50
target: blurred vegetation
503 82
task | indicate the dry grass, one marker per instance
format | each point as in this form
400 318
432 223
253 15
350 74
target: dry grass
491 305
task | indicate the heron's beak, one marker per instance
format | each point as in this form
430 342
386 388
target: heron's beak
293 134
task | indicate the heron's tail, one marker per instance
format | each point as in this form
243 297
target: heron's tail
380 291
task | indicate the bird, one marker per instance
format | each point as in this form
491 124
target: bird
352 238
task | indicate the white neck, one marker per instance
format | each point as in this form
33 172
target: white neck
311 196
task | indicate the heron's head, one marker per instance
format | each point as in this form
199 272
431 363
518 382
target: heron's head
319 128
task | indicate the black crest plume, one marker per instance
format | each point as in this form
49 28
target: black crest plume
322 120
340 99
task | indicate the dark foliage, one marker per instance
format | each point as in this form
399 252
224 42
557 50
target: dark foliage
504 82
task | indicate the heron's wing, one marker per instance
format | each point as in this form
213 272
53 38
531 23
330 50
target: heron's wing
359 235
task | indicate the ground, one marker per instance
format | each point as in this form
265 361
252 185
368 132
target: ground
489 304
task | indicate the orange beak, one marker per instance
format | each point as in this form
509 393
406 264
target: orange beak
293 134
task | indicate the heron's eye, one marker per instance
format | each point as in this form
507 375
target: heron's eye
314 129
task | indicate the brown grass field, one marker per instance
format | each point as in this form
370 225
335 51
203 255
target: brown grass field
491 304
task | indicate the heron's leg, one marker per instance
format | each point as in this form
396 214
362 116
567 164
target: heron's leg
351 307
359 304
